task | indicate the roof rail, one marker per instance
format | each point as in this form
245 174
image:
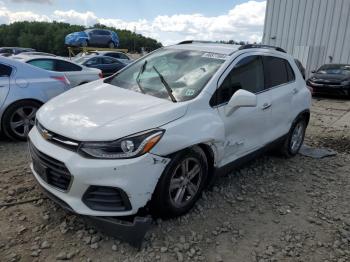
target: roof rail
196 41
262 46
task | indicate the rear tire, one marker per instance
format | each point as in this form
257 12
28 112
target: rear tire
111 45
295 138
181 183
19 118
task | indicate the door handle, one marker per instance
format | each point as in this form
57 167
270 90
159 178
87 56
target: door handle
2 86
266 106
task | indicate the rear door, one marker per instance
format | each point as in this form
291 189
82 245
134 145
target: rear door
280 83
5 73
245 128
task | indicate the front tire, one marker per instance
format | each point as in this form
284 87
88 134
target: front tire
181 183
295 138
19 118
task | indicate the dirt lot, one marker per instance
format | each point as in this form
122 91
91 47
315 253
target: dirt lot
273 209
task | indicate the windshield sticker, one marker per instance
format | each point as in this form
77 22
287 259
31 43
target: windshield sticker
189 92
215 56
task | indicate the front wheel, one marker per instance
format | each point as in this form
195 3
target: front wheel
181 183
111 45
295 138
19 118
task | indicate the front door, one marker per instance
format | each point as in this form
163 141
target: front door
245 128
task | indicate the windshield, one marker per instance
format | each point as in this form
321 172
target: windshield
334 69
184 73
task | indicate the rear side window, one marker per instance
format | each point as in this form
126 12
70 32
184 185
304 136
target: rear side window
47 64
277 71
5 71
109 60
64 66
248 74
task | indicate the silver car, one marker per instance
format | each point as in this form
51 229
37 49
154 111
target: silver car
23 89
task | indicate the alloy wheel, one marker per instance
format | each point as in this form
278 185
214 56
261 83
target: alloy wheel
22 120
297 136
185 182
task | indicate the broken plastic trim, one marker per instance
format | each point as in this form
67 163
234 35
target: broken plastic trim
130 232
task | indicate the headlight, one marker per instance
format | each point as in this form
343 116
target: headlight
127 147
345 83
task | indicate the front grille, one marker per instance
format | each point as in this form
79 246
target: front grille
57 139
101 198
52 171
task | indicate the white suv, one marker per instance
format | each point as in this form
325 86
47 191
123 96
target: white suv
154 134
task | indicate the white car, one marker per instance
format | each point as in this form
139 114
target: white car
76 74
156 133
23 89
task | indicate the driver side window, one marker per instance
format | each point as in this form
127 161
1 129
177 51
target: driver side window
247 74
5 71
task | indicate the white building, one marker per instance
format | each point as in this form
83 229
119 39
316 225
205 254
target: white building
314 31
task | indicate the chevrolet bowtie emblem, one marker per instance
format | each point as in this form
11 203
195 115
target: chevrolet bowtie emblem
46 135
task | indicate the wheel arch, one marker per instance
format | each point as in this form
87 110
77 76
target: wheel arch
18 101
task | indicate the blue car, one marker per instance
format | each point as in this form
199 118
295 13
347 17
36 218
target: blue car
93 37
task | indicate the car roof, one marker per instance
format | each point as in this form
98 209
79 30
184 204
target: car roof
224 49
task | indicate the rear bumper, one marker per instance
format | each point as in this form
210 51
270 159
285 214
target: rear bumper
132 230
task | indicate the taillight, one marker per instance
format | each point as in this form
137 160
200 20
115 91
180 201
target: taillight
100 75
62 79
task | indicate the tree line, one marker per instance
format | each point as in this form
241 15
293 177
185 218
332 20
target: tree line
49 36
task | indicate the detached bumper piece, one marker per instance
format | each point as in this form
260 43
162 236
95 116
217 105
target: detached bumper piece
132 232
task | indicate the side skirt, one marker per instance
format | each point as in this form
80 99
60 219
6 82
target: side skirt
247 158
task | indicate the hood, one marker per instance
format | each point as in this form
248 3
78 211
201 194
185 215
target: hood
102 112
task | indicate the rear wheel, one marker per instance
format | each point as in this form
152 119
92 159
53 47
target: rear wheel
19 118
295 139
111 45
181 183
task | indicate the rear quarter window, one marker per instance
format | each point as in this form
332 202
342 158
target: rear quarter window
277 71
64 66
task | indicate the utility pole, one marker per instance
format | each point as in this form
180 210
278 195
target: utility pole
134 38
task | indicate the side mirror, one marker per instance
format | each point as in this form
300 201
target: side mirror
241 98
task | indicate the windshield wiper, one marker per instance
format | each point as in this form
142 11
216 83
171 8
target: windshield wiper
166 85
142 69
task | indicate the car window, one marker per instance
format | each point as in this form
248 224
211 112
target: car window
65 66
277 71
47 64
115 55
6 51
247 74
122 56
108 60
185 71
5 70
102 32
93 61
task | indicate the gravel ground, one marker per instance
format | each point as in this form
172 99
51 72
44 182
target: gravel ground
272 209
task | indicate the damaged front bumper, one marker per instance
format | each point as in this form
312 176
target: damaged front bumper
131 231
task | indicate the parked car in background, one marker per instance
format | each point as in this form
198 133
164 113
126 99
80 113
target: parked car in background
108 65
331 79
9 51
23 89
154 134
93 37
77 74
301 68
36 54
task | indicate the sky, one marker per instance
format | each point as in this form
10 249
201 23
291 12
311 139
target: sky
168 21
